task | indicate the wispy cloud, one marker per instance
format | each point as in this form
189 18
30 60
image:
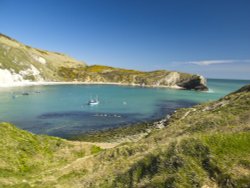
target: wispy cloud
213 62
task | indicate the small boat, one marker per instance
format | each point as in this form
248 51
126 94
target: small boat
25 93
93 102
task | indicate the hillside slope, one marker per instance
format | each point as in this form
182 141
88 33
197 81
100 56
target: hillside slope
21 63
207 145
25 156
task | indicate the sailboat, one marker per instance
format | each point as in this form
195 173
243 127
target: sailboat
95 101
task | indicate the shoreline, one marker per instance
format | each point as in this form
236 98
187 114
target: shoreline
27 84
130 132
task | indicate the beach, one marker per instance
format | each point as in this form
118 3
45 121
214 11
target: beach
41 83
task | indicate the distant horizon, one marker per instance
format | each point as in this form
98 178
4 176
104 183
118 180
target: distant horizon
208 38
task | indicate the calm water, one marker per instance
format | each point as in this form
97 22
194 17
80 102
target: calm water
62 111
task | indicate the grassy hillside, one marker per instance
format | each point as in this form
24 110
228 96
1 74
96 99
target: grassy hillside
105 74
32 63
19 62
207 145
25 156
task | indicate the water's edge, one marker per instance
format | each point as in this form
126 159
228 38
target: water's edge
58 110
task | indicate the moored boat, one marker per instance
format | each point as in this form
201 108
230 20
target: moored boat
94 102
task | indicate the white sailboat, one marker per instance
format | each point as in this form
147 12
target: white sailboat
95 101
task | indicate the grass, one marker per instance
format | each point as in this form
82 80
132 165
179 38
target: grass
18 57
20 151
191 163
95 149
24 155
233 144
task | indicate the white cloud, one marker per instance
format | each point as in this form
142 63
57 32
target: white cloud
213 62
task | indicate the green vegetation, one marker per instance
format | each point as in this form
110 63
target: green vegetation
18 148
192 162
18 58
95 149
99 73
25 156
98 68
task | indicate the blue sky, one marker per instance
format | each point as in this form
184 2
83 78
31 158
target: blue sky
208 37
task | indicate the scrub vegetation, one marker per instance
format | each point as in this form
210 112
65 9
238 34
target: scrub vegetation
105 74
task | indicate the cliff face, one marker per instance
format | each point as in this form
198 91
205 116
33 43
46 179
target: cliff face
160 78
203 146
22 63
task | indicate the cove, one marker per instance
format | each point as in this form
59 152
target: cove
62 110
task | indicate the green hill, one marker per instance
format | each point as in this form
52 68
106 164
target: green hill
25 156
207 145
33 64
20 63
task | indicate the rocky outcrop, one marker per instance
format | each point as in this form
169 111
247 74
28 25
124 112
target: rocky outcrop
195 82
21 63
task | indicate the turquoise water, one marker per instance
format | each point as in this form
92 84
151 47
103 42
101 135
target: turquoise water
61 110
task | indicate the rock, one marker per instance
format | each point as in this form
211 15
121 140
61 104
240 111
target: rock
196 82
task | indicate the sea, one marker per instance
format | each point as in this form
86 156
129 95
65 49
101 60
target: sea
63 110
